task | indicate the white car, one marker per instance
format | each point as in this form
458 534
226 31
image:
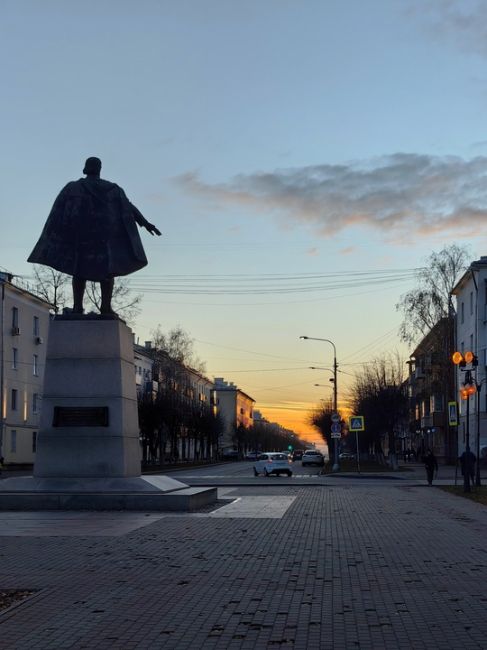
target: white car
312 457
272 462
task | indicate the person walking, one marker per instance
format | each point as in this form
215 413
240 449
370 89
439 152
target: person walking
467 462
431 465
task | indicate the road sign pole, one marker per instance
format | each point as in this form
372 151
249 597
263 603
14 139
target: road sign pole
358 452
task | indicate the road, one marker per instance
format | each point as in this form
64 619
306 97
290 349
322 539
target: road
241 474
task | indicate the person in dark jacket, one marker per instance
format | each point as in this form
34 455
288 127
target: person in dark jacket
431 465
470 465
91 234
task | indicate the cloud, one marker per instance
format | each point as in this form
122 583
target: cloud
349 250
462 21
401 195
313 252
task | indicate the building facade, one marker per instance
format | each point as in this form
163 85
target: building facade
236 410
24 328
471 335
431 388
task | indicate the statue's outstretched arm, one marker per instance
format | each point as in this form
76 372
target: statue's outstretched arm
142 221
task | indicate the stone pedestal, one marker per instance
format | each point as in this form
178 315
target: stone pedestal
89 422
88 451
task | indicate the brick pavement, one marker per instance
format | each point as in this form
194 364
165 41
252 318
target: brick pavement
345 567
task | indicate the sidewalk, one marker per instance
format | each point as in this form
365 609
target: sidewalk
335 567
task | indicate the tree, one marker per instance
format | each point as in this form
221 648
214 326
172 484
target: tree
178 345
125 303
50 285
320 419
379 394
54 287
424 306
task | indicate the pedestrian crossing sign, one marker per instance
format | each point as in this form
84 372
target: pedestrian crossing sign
452 414
357 423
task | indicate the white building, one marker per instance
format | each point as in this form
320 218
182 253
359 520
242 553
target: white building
24 326
144 365
471 335
236 410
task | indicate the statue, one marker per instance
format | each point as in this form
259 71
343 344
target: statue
90 234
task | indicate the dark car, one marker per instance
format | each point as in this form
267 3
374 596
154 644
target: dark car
297 454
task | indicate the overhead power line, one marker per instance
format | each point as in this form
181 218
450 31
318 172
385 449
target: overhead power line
275 283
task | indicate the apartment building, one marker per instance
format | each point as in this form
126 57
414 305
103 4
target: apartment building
24 327
430 388
471 335
236 410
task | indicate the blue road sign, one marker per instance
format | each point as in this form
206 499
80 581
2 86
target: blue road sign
357 423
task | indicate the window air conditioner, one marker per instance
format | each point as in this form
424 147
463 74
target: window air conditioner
39 340
15 331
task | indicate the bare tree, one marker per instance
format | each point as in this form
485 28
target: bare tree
424 306
55 287
125 303
179 347
320 419
51 285
379 394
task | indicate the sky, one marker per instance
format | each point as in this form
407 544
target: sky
302 158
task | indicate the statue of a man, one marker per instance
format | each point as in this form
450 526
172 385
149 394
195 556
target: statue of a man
91 234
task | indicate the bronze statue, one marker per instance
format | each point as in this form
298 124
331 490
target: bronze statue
91 234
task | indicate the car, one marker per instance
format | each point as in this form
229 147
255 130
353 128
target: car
347 455
272 462
251 455
230 454
312 457
297 454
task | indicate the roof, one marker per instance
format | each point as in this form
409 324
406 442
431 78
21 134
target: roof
477 265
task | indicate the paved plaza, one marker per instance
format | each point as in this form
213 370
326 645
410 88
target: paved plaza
345 566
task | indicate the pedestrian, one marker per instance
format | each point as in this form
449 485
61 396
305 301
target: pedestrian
468 464
431 465
1 464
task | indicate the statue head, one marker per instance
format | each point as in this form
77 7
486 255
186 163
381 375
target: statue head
92 166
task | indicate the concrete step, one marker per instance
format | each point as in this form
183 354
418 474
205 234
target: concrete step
188 499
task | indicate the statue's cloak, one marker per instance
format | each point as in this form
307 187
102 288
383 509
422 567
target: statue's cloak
91 232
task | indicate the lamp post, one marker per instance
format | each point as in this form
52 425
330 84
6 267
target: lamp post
336 465
469 387
477 471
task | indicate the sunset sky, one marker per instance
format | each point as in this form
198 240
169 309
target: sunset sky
302 158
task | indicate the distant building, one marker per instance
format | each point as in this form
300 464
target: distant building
145 378
430 388
471 335
24 328
236 410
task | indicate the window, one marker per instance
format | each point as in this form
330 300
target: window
471 302
15 358
462 312
471 342
35 365
436 403
35 402
34 442
13 442
35 326
13 399
15 317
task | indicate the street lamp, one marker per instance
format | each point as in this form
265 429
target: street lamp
336 465
469 387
